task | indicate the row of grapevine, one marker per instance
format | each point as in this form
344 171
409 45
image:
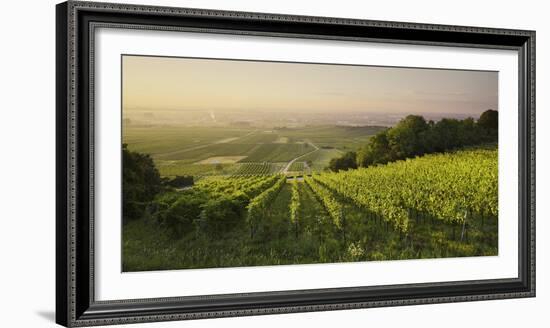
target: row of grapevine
297 167
214 205
247 169
252 190
257 207
250 186
449 187
294 206
330 203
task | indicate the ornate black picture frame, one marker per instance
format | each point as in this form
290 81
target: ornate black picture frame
75 301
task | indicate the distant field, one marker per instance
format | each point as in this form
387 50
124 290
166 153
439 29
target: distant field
212 150
277 152
339 137
258 137
319 159
222 160
282 140
175 168
222 150
166 139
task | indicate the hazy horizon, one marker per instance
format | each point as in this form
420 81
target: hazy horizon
190 85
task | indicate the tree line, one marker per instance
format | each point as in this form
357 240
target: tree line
141 182
414 136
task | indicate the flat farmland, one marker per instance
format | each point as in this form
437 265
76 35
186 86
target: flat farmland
175 168
210 150
338 137
320 159
278 152
157 140
226 150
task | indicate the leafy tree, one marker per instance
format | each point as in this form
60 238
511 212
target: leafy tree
414 136
446 134
488 120
181 181
346 162
376 151
140 183
429 138
404 138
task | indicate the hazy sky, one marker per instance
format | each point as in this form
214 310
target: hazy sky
205 84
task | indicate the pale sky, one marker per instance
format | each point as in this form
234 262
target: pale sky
209 84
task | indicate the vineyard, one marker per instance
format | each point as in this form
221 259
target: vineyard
258 168
278 152
443 205
237 163
234 151
456 189
297 167
176 168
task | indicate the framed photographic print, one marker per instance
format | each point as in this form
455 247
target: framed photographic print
214 163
